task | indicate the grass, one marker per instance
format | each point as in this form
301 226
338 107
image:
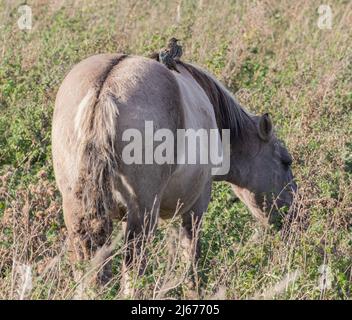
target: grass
272 56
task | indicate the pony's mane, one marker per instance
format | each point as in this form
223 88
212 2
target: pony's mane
228 112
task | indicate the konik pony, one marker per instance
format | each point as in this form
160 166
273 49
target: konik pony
107 94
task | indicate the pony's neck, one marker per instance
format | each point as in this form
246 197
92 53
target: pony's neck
229 115
228 112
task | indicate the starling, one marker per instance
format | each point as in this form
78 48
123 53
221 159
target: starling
175 49
166 58
171 54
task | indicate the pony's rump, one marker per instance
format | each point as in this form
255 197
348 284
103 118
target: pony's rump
95 126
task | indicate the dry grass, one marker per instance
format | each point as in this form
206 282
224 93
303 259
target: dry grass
273 56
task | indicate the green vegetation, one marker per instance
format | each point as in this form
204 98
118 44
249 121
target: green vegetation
271 55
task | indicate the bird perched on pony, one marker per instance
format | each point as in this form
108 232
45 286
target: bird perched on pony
169 55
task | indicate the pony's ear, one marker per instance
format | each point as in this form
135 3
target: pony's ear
265 129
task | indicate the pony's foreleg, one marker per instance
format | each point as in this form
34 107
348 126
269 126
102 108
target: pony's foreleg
89 246
139 229
190 244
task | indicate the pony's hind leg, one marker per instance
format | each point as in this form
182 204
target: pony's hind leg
89 246
140 226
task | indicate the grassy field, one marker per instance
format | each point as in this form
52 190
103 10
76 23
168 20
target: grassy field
272 56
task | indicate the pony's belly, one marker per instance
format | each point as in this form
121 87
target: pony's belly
183 189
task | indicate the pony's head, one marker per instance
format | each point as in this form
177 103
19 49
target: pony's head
260 171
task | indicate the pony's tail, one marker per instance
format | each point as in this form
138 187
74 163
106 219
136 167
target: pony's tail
95 127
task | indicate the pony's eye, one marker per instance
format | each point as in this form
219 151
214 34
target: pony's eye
287 160
287 163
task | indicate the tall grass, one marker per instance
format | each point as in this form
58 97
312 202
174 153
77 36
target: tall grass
273 57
